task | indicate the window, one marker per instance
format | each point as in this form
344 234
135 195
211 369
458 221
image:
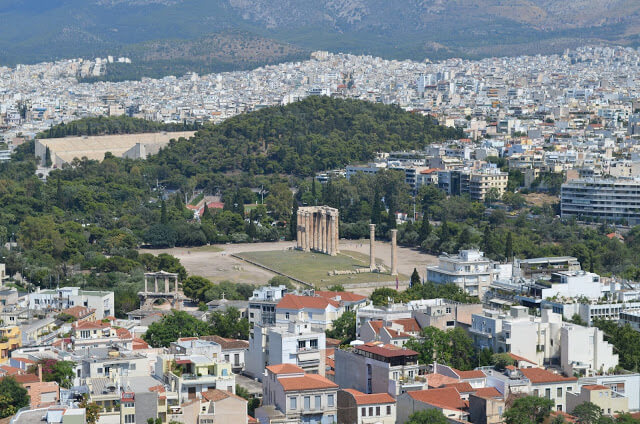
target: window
388 409
313 343
293 403
330 401
318 402
536 392
371 411
558 407
547 393
132 366
286 315
377 411
302 344
559 392
226 358
500 410
307 403
310 315
363 412
128 405
99 370
129 418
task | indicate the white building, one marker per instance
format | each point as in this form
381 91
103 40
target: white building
469 270
569 284
610 199
544 340
66 297
296 343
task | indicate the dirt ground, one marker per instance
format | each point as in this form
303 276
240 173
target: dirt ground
539 199
216 264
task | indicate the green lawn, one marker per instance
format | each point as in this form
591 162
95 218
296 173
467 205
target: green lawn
314 267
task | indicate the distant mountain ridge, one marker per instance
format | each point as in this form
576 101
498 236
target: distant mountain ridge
396 29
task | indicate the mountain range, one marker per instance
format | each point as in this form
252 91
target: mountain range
36 30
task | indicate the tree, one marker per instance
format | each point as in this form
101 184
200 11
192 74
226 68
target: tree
492 196
62 372
528 410
163 213
485 357
344 328
280 201
195 287
230 324
336 288
281 280
252 402
508 246
92 410
501 361
415 278
587 413
425 228
429 416
12 397
174 326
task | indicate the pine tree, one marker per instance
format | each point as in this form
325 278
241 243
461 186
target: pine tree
47 157
391 218
59 193
508 246
444 231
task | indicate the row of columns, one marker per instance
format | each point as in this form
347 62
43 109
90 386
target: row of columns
165 277
318 230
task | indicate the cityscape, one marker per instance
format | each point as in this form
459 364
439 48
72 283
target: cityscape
344 239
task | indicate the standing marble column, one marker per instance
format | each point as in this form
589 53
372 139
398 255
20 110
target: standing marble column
307 230
394 252
166 285
372 247
336 237
323 223
155 283
298 232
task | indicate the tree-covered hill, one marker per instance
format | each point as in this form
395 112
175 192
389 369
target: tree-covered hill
316 134
111 125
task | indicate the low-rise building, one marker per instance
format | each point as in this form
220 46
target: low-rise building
314 310
377 368
298 397
446 400
355 407
10 339
299 344
469 270
610 402
66 297
552 386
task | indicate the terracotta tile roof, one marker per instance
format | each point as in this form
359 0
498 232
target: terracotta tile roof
215 395
228 343
123 333
78 311
375 326
370 399
25 378
439 380
447 398
25 360
292 301
595 387
396 334
251 420
520 358
9 370
343 295
332 342
567 418
410 325
86 325
387 351
306 382
138 344
461 387
468 375
538 376
285 369
488 392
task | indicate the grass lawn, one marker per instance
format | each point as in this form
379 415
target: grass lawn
314 267
210 248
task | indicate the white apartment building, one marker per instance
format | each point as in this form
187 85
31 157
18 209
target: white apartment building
469 270
632 318
295 343
611 199
544 340
569 284
66 297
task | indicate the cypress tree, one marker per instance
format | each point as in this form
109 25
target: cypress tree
508 246
163 213
425 228
375 209
415 278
